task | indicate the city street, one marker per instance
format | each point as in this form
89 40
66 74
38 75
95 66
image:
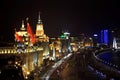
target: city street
73 69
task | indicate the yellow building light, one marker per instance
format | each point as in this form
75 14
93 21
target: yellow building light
28 72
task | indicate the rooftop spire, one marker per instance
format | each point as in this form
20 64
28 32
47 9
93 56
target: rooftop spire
39 20
23 26
27 19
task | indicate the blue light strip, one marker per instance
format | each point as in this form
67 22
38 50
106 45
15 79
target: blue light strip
101 37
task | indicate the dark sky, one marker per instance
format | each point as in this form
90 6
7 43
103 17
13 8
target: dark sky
76 16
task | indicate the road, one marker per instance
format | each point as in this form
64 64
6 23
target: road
78 66
74 69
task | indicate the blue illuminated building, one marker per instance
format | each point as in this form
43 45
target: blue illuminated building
104 37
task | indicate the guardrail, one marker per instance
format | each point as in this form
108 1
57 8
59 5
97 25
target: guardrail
100 66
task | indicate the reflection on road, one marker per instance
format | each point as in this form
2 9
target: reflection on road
47 75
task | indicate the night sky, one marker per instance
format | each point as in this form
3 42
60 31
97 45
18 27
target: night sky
76 16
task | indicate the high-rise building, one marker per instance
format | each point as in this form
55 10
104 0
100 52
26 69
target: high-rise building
104 37
40 36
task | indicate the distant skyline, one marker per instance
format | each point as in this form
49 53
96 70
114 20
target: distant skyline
75 16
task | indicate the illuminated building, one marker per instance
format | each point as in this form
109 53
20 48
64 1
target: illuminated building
40 36
75 43
31 49
34 47
95 40
88 42
65 40
115 38
42 40
21 37
104 37
27 37
114 43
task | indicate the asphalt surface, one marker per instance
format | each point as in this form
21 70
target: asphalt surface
74 69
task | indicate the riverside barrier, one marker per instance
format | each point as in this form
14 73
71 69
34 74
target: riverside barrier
97 64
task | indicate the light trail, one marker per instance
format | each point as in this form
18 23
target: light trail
47 75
